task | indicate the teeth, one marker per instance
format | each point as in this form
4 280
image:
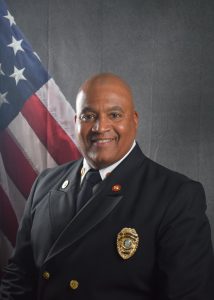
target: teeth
103 141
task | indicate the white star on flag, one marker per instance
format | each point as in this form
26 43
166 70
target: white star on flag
10 18
1 71
3 98
18 74
16 45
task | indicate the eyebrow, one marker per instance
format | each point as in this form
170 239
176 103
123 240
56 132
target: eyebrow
117 108
113 108
86 109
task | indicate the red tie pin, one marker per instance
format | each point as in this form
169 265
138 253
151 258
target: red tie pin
116 188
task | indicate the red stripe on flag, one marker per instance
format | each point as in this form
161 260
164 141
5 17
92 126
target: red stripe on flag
16 164
50 133
8 221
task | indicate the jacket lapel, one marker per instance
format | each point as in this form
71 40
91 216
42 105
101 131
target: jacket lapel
62 200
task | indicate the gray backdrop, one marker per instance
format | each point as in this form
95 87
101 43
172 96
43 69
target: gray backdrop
164 49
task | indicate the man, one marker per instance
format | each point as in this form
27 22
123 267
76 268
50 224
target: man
143 234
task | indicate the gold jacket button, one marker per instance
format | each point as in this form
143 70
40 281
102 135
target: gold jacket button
46 275
74 284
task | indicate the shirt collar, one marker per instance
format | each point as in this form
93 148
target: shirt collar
105 171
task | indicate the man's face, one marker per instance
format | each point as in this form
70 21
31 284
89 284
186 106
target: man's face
106 123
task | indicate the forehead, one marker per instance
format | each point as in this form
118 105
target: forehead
104 96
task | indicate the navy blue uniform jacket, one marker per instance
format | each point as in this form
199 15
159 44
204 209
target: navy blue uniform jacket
63 255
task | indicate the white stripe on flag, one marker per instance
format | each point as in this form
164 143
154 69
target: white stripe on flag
53 99
28 142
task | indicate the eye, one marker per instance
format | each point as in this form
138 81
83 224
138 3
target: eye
115 115
88 117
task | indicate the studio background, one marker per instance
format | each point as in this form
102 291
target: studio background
164 49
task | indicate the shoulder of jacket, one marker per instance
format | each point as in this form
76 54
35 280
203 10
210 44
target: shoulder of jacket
58 170
161 171
49 179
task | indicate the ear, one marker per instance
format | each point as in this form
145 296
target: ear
136 119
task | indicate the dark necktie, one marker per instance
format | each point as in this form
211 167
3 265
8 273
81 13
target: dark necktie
92 177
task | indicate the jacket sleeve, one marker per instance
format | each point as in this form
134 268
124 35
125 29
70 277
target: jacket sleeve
185 254
19 277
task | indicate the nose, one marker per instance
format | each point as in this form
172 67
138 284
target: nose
102 124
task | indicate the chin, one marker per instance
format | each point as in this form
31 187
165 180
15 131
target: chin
101 163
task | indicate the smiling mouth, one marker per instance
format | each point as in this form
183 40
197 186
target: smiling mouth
103 141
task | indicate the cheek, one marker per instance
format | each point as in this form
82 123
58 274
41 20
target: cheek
77 128
81 130
124 129
78 132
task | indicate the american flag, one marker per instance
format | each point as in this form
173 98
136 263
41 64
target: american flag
36 125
